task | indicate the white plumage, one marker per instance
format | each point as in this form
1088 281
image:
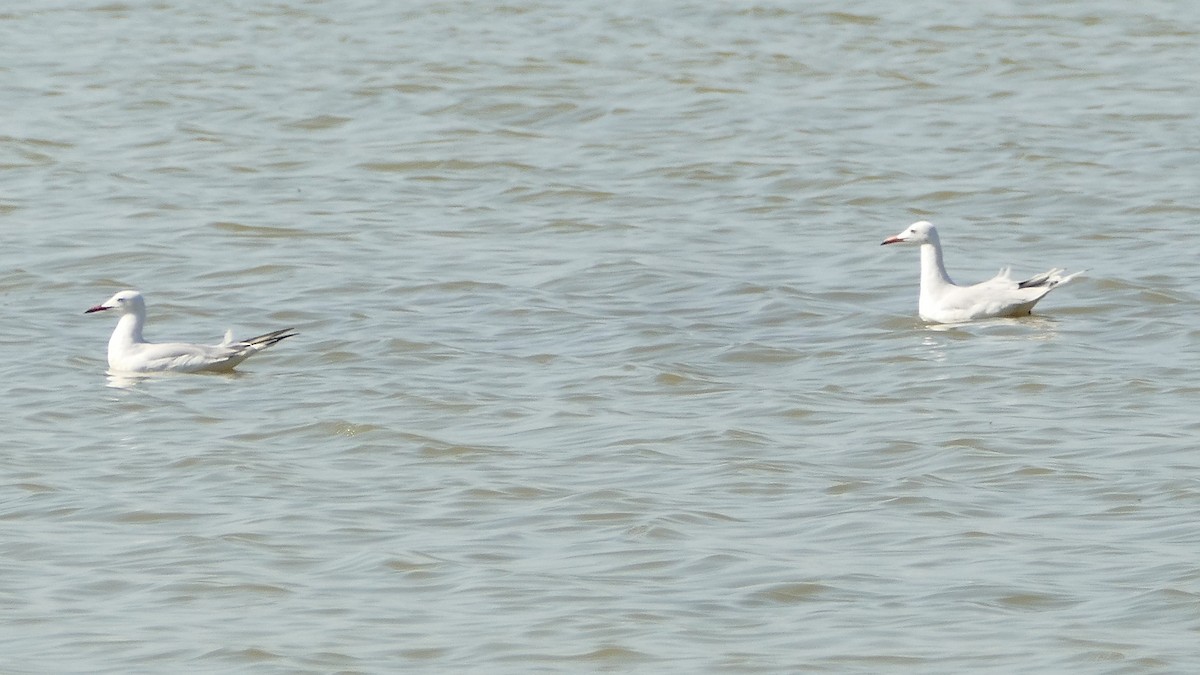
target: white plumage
129 352
943 301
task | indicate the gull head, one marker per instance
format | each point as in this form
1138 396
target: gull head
124 302
920 232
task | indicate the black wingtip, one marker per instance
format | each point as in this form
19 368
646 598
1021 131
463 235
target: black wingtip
267 339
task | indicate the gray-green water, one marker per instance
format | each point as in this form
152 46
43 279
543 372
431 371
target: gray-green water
601 366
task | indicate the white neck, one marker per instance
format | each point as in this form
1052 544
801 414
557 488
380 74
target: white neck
128 332
933 270
934 280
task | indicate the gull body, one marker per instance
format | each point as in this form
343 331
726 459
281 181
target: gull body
129 352
943 301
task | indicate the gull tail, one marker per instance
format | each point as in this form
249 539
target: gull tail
1048 280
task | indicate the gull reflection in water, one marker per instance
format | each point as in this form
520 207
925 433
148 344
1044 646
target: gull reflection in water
130 380
1022 328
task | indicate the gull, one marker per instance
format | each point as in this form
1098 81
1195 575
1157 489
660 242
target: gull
129 352
943 301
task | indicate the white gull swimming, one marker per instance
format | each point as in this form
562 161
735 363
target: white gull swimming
943 301
128 351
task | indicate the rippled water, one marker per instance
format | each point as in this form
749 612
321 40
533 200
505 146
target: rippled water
601 366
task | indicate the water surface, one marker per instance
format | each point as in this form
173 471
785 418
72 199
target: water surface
601 366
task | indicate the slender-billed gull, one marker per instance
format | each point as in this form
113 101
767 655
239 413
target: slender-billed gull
943 301
129 352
